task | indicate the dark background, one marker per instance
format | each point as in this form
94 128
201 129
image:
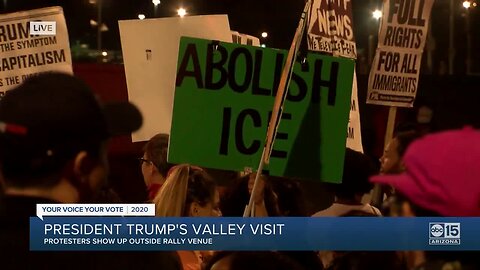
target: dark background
278 18
454 99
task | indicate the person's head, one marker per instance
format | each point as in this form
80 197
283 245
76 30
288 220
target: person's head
441 175
290 197
154 161
357 169
188 191
237 195
391 161
237 260
53 135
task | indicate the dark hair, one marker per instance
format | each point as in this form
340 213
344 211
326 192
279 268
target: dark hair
241 260
156 150
357 169
236 197
404 139
290 196
201 188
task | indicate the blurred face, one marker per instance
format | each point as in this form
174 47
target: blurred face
147 169
211 209
94 170
391 161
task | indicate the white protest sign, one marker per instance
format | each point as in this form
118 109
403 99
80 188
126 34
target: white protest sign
354 134
76 209
330 28
394 75
23 54
245 39
150 54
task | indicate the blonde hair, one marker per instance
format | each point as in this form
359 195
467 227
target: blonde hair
184 185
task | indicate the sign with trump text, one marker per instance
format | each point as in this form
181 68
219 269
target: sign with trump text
32 42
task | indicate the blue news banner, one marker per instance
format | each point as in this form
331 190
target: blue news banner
346 233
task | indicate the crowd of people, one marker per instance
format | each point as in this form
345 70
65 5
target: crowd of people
53 149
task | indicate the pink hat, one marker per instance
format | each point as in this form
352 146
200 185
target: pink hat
442 173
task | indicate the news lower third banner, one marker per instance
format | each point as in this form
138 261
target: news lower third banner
345 233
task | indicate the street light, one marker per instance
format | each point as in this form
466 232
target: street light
467 4
141 16
377 14
264 34
181 12
155 8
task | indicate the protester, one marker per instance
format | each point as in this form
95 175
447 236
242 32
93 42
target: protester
154 163
391 161
290 197
440 179
237 196
348 195
188 191
53 141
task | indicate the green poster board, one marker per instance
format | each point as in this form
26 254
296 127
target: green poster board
223 100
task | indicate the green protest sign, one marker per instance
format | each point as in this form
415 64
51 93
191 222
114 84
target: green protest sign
223 101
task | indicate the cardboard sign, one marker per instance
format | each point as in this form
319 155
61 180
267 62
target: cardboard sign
23 54
223 100
150 53
393 79
354 133
331 28
245 39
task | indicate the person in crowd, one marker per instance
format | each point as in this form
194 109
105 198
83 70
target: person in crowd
290 197
355 184
391 161
188 191
336 260
53 142
440 179
237 196
154 164
240 260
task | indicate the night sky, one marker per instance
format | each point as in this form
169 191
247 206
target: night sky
277 17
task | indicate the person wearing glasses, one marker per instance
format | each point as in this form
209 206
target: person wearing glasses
154 164
188 191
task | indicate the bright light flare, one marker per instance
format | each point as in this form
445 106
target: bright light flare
181 12
377 14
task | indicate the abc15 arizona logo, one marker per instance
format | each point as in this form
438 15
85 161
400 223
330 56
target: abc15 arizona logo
441 233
